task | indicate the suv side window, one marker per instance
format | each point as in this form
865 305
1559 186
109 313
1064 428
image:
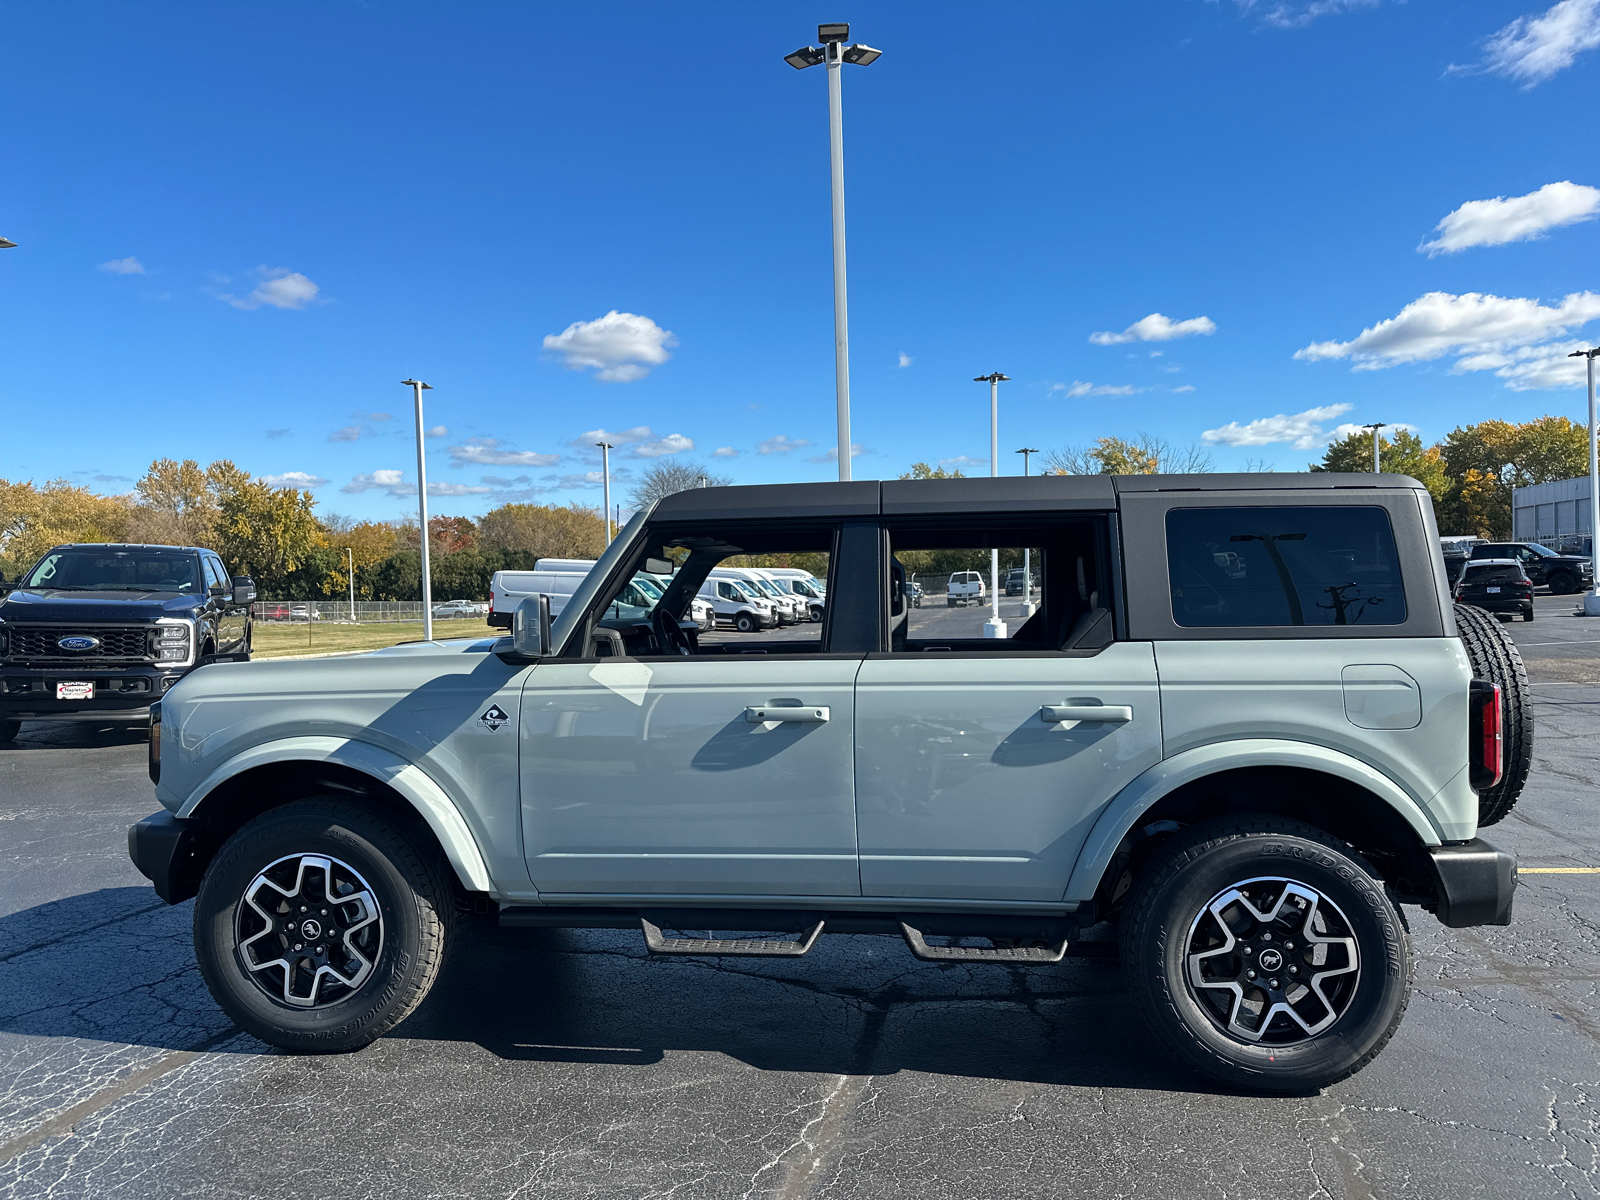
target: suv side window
1295 566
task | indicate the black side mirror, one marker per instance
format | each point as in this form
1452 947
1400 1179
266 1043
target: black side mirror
244 589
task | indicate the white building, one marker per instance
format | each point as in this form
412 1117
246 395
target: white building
1549 512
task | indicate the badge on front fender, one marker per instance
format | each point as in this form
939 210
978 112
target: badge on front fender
494 718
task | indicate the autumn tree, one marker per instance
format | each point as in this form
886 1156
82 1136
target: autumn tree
33 519
1403 454
1145 454
1485 462
266 532
369 543
922 470
545 531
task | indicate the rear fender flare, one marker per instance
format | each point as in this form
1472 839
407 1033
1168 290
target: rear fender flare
419 789
1125 809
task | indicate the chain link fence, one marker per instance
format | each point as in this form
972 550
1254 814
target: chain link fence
362 612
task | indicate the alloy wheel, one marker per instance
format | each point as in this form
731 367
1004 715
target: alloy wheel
308 930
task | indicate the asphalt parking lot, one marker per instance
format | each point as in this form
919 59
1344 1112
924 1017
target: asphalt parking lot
570 1064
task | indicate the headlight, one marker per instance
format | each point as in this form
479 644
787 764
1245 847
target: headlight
173 642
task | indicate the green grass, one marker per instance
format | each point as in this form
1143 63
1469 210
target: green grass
276 640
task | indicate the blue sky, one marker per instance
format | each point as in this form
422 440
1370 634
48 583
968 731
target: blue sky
240 226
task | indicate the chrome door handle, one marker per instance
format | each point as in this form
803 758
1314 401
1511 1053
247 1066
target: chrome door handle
1118 714
806 713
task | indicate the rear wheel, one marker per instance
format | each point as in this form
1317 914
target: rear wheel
1266 954
321 925
1527 613
1495 658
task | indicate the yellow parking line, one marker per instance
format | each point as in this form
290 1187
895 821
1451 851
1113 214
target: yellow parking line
1558 870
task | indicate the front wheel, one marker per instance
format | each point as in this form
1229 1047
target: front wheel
1563 583
320 925
1266 954
9 731
744 623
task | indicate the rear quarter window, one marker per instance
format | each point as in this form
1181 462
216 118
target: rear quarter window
1284 566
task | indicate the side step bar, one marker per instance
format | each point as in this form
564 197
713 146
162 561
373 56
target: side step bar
731 947
980 954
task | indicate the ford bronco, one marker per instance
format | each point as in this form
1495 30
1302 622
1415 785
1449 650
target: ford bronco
1245 727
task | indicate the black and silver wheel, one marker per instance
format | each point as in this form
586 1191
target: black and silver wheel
9 731
1266 954
744 623
321 925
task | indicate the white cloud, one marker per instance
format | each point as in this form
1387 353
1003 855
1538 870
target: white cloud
1538 45
781 444
1188 387
1157 328
393 482
965 462
348 434
620 346
724 452
673 443
279 288
640 441
856 451
1340 432
1517 219
1291 14
277 433
294 479
489 452
123 266
1439 323
1303 429
1527 368
1079 388
905 359
438 431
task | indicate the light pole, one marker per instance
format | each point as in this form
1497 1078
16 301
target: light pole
1375 426
835 54
1591 601
351 575
418 387
605 471
1027 553
994 627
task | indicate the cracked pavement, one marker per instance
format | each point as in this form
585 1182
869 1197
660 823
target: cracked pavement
570 1064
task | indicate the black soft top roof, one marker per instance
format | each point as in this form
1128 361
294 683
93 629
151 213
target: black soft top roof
1008 493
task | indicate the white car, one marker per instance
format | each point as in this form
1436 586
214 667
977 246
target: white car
966 587
460 608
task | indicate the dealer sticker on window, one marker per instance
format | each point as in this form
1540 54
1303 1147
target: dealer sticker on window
75 691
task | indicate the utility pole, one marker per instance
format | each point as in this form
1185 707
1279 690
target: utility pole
835 54
605 471
1027 554
1591 599
351 573
418 387
1377 469
994 627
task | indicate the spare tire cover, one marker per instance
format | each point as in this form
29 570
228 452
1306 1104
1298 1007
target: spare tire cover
1495 658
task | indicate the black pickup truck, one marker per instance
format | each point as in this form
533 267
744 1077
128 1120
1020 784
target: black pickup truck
1561 573
98 632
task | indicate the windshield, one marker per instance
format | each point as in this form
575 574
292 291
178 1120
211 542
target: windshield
806 588
117 570
750 592
1543 551
770 588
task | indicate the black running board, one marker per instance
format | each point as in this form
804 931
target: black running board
980 954
731 947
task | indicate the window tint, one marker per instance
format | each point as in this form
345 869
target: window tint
1321 565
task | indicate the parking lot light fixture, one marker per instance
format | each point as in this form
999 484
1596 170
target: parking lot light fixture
418 387
1027 554
994 627
1375 426
350 558
834 53
7 244
1591 599
605 480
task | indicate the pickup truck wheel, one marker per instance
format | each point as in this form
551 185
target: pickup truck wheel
1562 583
9 731
320 926
1266 954
1495 657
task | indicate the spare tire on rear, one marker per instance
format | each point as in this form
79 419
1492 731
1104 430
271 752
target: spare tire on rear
1496 659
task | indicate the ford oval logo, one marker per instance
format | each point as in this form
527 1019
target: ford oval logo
78 642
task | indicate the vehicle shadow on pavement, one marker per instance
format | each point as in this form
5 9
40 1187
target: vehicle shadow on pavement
77 735
856 1005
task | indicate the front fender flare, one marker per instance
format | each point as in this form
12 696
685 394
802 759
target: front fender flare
1125 809
427 797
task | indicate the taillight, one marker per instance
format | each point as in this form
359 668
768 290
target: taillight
1487 735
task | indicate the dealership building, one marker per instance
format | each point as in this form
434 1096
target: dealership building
1550 512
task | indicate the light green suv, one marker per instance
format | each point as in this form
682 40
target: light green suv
1241 727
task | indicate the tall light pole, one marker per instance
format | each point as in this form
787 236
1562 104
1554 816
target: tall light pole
350 557
1027 553
418 387
1377 469
835 54
605 471
1591 602
994 627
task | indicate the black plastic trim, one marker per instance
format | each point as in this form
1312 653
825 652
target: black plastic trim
1476 883
163 848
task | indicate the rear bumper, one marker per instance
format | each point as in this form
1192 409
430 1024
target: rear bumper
1510 604
1475 882
163 848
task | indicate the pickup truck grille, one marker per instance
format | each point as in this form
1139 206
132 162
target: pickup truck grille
118 643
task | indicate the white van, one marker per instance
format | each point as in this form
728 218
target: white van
507 589
787 608
735 602
803 584
966 587
581 565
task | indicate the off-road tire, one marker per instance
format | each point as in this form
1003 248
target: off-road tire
1562 583
1495 658
9 731
415 899
1172 889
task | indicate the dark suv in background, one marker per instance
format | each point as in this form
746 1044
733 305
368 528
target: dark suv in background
98 632
1563 574
1496 585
